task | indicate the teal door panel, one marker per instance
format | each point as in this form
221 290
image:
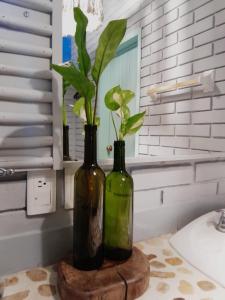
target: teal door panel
121 71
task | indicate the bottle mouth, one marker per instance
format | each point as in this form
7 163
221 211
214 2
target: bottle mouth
119 143
90 127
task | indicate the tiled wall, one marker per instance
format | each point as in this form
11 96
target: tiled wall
167 198
182 38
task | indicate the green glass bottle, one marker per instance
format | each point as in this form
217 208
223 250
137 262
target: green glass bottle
88 207
118 208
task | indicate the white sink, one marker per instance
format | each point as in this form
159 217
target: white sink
203 246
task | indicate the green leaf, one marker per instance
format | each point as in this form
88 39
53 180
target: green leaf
125 112
134 123
79 108
80 39
74 77
66 84
107 45
127 96
97 121
113 98
82 84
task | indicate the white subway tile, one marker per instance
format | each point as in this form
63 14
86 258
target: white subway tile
220 18
166 42
164 20
218 130
219 88
211 144
193 105
151 38
179 24
145 51
143 149
152 120
157 3
148 199
188 151
192 192
194 54
209 63
180 47
138 17
152 17
192 130
172 4
180 142
164 65
190 6
145 71
157 150
209 9
210 171
161 130
159 177
195 29
206 117
219 46
177 72
166 108
221 189
183 118
143 130
145 100
144 109
209 36
149 140
148 60
156 78
146 30
219 102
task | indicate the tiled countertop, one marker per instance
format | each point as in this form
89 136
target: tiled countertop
171 279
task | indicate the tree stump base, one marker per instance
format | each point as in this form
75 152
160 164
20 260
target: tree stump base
126 280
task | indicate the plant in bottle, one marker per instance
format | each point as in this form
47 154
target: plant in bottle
118 208
89 179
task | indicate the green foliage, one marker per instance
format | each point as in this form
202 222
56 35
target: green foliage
78 77
80 39
82 84
116 100
107 45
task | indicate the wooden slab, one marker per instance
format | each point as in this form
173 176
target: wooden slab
114 281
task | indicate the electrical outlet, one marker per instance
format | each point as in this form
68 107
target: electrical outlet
41 192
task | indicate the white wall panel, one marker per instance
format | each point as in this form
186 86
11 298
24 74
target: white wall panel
30 40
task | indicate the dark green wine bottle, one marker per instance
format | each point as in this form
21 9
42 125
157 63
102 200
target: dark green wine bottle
118 209
88 207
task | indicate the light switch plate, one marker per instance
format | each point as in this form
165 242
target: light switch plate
41 192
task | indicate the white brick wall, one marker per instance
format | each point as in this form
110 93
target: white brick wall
184 38
170 197
180 39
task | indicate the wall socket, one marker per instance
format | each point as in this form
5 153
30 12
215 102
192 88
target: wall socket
41 192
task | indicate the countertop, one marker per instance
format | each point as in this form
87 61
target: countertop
171 278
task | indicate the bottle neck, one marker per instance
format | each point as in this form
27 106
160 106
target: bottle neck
90 145
119 156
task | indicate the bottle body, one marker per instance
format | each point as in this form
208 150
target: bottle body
118 209
88 208
66 154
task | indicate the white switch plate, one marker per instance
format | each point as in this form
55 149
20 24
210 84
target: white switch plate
41 192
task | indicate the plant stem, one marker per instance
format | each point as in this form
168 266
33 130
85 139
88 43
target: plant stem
114 125
95 105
